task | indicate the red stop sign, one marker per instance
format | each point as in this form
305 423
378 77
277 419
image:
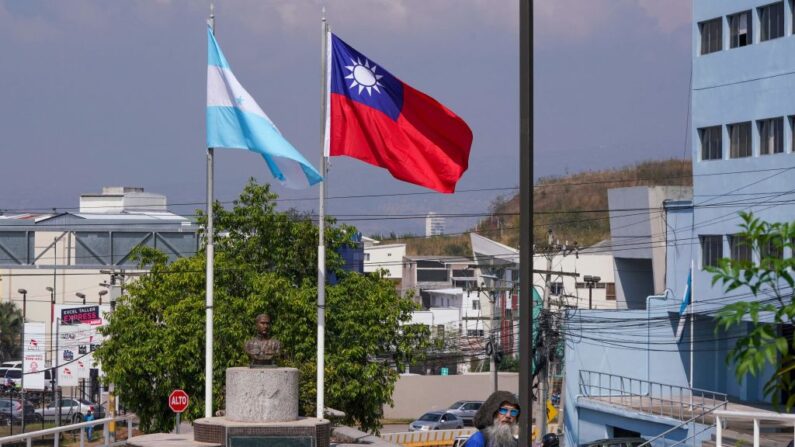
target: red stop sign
178 401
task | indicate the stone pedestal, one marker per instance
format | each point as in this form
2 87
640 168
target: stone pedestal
303 432
261 394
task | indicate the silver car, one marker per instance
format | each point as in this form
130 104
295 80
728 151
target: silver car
436 420
465 410
72 410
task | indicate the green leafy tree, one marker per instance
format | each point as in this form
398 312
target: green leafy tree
10 332
265 262
771 284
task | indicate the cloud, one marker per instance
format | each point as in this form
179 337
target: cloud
576 20
670 14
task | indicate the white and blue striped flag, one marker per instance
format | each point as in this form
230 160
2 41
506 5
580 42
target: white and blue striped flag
234 120
685 303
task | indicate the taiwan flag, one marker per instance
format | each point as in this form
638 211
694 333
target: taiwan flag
375 117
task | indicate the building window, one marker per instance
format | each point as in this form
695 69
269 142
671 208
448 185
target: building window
711 250
711 35
475 304
740 249
740 140
711 143
771 250
610 288
598 285
474 332
556 288
367 256
740 29
771 21
771 136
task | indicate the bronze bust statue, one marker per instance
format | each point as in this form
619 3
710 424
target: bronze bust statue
263 350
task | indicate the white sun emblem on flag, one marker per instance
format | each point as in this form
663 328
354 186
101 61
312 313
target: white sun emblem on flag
363 76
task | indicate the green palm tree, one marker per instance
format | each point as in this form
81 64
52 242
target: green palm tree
11 322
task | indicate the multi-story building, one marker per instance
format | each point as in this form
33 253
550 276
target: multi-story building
434 225
387 257
67 258
742 119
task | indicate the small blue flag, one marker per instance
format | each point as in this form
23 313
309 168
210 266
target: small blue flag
685 303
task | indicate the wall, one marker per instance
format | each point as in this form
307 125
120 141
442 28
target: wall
597 263
614 342
634 282
388 257
415 395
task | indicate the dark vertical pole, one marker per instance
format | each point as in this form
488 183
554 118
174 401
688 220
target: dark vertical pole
525 215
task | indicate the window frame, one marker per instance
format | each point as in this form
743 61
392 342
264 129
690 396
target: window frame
735 143
734 29
711 149
739 249
764 126
711 257
764 21
710 39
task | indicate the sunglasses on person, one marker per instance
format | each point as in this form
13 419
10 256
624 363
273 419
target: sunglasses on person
513 412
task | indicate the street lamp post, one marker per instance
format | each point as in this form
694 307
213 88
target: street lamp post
590 282
82 296
54 371
101 294
22 342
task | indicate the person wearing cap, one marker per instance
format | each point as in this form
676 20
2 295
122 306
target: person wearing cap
90 428
496 421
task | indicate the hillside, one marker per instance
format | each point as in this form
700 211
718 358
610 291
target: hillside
574 206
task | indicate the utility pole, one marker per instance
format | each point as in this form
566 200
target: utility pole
552 248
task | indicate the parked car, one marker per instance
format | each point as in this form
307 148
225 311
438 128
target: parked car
10 378
465 410
13 409
436 420
11 364
72 410
616 442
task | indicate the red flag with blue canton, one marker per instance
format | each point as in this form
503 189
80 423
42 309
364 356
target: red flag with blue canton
375 117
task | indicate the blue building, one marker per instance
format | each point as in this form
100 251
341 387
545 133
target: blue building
741 124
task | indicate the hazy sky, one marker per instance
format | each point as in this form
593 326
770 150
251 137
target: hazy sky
97 92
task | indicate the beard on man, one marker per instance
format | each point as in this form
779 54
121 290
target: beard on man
497 422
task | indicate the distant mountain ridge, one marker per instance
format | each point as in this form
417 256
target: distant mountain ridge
573 206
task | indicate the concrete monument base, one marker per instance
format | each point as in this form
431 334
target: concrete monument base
261 394
304 432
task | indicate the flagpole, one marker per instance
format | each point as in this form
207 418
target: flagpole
692 325
208 347
321 247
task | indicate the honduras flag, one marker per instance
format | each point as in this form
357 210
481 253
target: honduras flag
685 303
234 120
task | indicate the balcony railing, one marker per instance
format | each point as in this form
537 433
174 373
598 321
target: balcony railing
645 396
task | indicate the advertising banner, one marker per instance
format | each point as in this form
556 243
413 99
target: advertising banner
81 315
33 356
67 352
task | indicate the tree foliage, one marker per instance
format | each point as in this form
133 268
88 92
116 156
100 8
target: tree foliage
10 332
771 284
265 262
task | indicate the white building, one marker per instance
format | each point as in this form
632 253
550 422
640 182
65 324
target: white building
573 291
434 225
56 258
388 257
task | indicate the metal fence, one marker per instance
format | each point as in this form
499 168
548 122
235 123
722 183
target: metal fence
76 430
22 411
433 438
649 397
